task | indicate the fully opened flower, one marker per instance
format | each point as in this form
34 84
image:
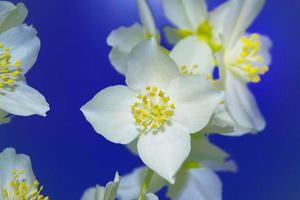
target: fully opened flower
19 47
124 39
17 180
103 193
195 180
244 59
159 107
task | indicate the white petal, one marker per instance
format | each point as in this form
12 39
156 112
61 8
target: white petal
210 155
9 161
11 15
109 113
266 44
242 105
195 100
191 52
123 40
200 184
24 101
241 15
23 44
146 17
94 193
149 66
130 184
112 188
165 151
187 14
151 196
171 35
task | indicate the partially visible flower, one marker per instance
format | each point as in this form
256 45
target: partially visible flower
103 193
124 39
244 59
17 180
195 180
159 107
11 15
19 47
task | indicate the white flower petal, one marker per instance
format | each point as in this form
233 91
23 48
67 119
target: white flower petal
11 15
149 66
151 196
241 15
191 52
195 100
130 184
211 156
109 113
94 193
186 14
24 101
23 44
146 17
171 35
123 40
165 151
200 184
9 161
242 105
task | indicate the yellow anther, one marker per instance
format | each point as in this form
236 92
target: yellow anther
193 70
19 189
153 110
250 61
9 73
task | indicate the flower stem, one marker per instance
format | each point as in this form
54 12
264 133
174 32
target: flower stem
146 184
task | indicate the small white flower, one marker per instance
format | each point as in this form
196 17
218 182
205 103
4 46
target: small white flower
103 193
195 180
159 107
124 39
17 180
19 47
244 59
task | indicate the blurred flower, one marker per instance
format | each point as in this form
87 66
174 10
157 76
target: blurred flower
17 180
19 47
103 193
124 39
244 59
195 180
159 107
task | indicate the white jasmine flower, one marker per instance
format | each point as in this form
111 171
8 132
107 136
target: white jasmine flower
124 39
244 59
103 193
17 180
19 47
195 180
159 107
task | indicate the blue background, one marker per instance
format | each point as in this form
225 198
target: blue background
68 156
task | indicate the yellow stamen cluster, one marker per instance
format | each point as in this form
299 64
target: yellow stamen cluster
184 70
152 109
21 190
9 73
250 60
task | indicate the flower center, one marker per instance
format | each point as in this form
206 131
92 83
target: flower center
204 33
20 190
250 60
152 109
10 73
